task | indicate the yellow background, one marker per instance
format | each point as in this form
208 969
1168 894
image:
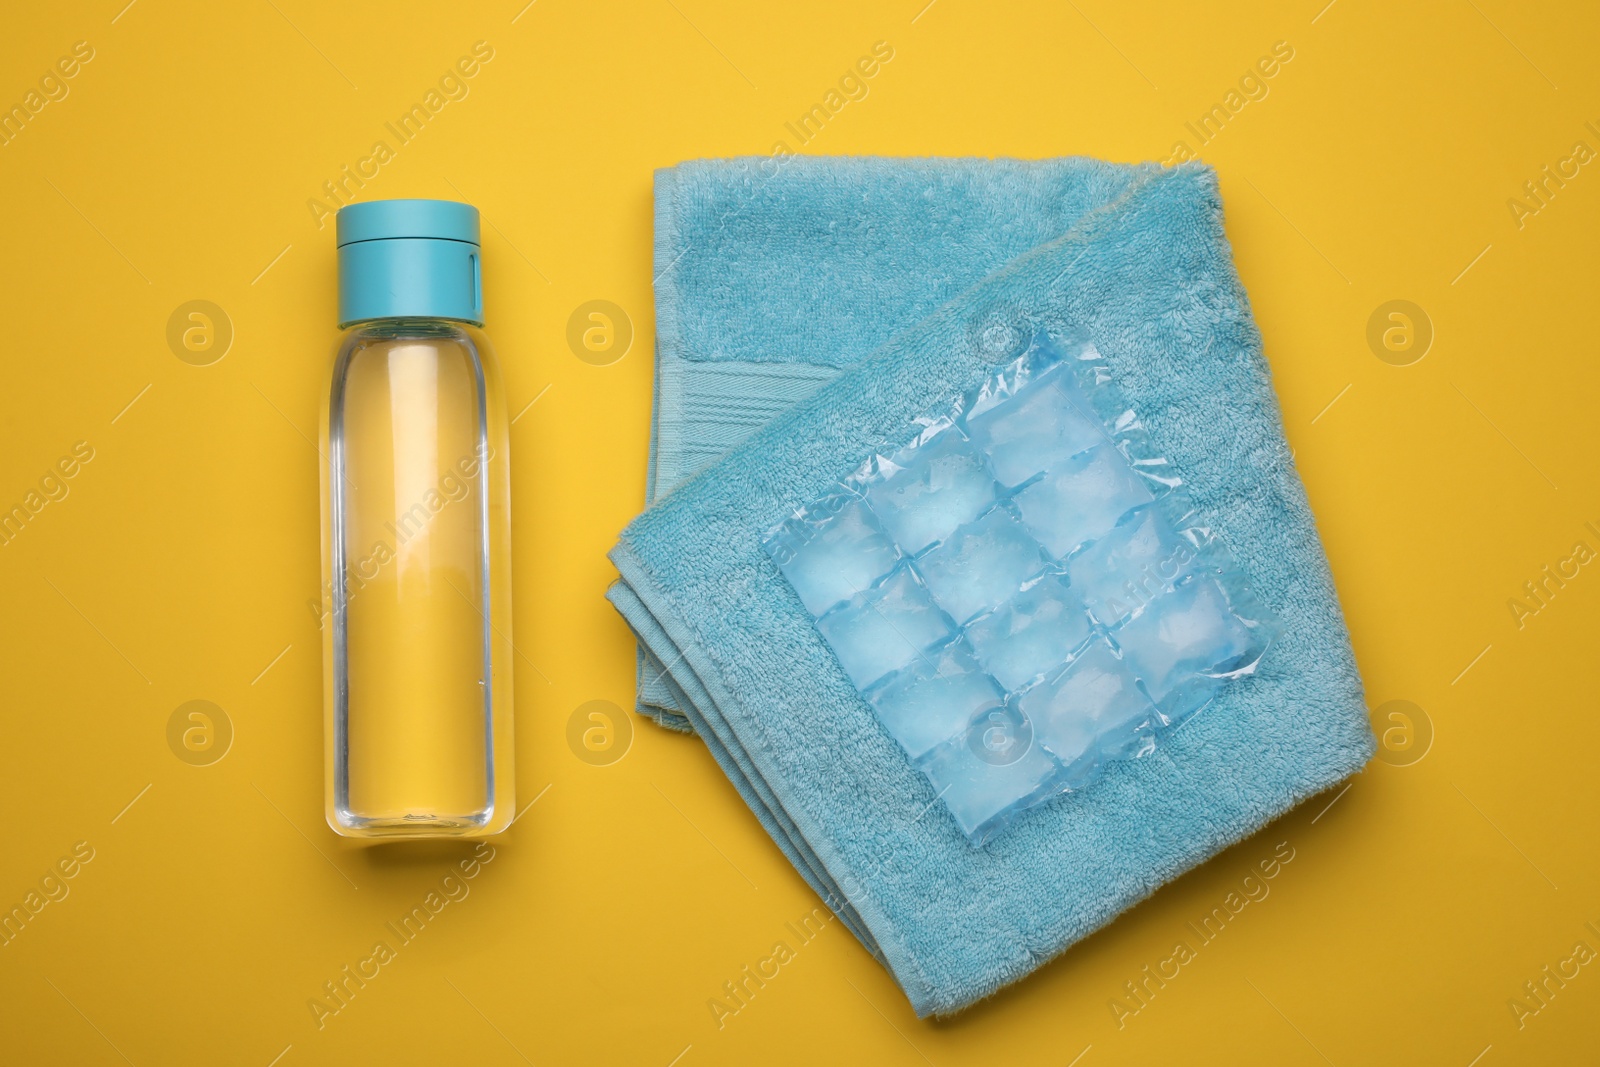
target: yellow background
178 567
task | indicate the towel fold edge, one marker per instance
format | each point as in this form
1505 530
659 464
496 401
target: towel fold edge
669 632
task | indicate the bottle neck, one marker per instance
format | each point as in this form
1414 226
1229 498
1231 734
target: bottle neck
412 326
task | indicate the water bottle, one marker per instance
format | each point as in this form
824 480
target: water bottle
416 555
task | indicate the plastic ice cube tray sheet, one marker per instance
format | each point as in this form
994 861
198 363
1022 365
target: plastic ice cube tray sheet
1020 592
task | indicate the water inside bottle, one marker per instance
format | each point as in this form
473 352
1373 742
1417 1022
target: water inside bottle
412 635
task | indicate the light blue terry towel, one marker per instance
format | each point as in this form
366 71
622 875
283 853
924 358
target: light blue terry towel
1140 263
831 266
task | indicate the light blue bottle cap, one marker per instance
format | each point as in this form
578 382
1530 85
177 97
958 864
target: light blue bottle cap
409 259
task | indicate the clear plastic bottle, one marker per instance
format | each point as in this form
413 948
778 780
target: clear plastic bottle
416 535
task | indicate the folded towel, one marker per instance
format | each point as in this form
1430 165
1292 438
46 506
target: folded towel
1143 268
829 268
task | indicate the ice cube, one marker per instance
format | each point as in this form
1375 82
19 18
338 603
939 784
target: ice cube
990 769
832 558
1036 430
932 700
884 629
1032 633
1183 643
1081 500
1091 711
940 484
1130 566
1043 361
981 565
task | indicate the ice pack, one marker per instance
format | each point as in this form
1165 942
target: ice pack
1020 590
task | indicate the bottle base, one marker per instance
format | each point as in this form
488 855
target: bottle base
414 825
